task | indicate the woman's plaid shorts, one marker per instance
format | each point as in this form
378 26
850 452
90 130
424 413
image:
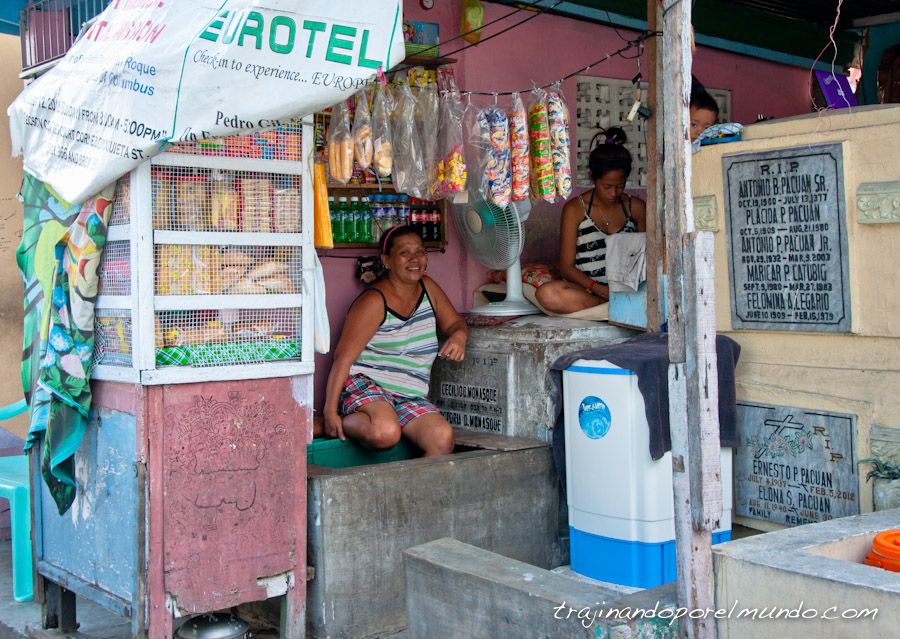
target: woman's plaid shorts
359 390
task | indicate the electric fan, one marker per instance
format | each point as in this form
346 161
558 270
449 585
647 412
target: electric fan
494 236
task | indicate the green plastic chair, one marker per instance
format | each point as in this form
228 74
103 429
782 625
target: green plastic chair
14 486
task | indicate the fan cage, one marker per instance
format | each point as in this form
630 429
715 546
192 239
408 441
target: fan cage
499 240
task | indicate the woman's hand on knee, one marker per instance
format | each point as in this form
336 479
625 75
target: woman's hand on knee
334 426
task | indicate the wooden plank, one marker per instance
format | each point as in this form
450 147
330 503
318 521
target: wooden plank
654 170
488 441
692 389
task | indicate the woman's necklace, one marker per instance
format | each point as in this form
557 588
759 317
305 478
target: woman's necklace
601 217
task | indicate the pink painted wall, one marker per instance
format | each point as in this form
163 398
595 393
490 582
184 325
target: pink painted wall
537 52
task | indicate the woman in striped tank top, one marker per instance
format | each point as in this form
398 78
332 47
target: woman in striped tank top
382 364
587 221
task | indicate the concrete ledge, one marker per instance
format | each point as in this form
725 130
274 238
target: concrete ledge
362 518
813 574
457 590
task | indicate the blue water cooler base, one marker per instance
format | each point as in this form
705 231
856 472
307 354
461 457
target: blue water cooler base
629 563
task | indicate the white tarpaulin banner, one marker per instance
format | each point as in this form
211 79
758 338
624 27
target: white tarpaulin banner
147 73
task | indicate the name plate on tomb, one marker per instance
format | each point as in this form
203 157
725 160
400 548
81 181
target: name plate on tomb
795 466
787 239
475 396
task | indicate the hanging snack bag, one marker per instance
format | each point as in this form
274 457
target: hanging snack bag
450 174
409 167
362 131
543 185
520 162
497 171
558 114
427 109
382 149
340 144
478 148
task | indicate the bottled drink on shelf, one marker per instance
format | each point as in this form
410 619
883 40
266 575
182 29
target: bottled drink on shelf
332 208
390 211
403 209
414 215
344 220
436 223
356 224
375 212
364 226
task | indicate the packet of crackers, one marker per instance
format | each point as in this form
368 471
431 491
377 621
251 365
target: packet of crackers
520 160
543 180
340 144
362 131
558 115
382 147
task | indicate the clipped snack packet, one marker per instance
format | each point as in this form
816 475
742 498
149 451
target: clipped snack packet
409 166
363 149
340 144
497 169
518 146
450 172
543 185
427 123
558 115
382 148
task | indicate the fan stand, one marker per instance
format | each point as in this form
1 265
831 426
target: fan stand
515 303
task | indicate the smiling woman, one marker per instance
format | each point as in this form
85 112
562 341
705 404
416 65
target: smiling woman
382 365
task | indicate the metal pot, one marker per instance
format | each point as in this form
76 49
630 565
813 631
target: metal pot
214 625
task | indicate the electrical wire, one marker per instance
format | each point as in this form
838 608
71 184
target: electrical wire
486 24
540 12
636 43
831 43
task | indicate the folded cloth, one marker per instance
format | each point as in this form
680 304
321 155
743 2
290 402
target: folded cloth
626 261
648 356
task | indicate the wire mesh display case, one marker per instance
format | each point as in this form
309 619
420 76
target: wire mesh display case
207 270
202 395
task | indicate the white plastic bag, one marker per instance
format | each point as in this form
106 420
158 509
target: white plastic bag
409 166
321 327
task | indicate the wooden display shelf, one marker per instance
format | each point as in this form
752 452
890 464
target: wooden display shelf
426 61
361 245
365 187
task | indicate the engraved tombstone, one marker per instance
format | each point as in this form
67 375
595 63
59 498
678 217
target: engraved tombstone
787 240
795 466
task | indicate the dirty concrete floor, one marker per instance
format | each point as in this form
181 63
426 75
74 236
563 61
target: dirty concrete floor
95 621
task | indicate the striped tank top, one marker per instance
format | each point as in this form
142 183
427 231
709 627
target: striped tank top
590 243
400 354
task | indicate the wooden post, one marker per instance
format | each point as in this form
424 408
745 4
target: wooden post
693 388
654 165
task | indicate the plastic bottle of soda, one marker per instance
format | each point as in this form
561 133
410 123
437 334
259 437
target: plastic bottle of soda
365 221
332 213
436 223
374 212
403 209
356 217
390 211
345 220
